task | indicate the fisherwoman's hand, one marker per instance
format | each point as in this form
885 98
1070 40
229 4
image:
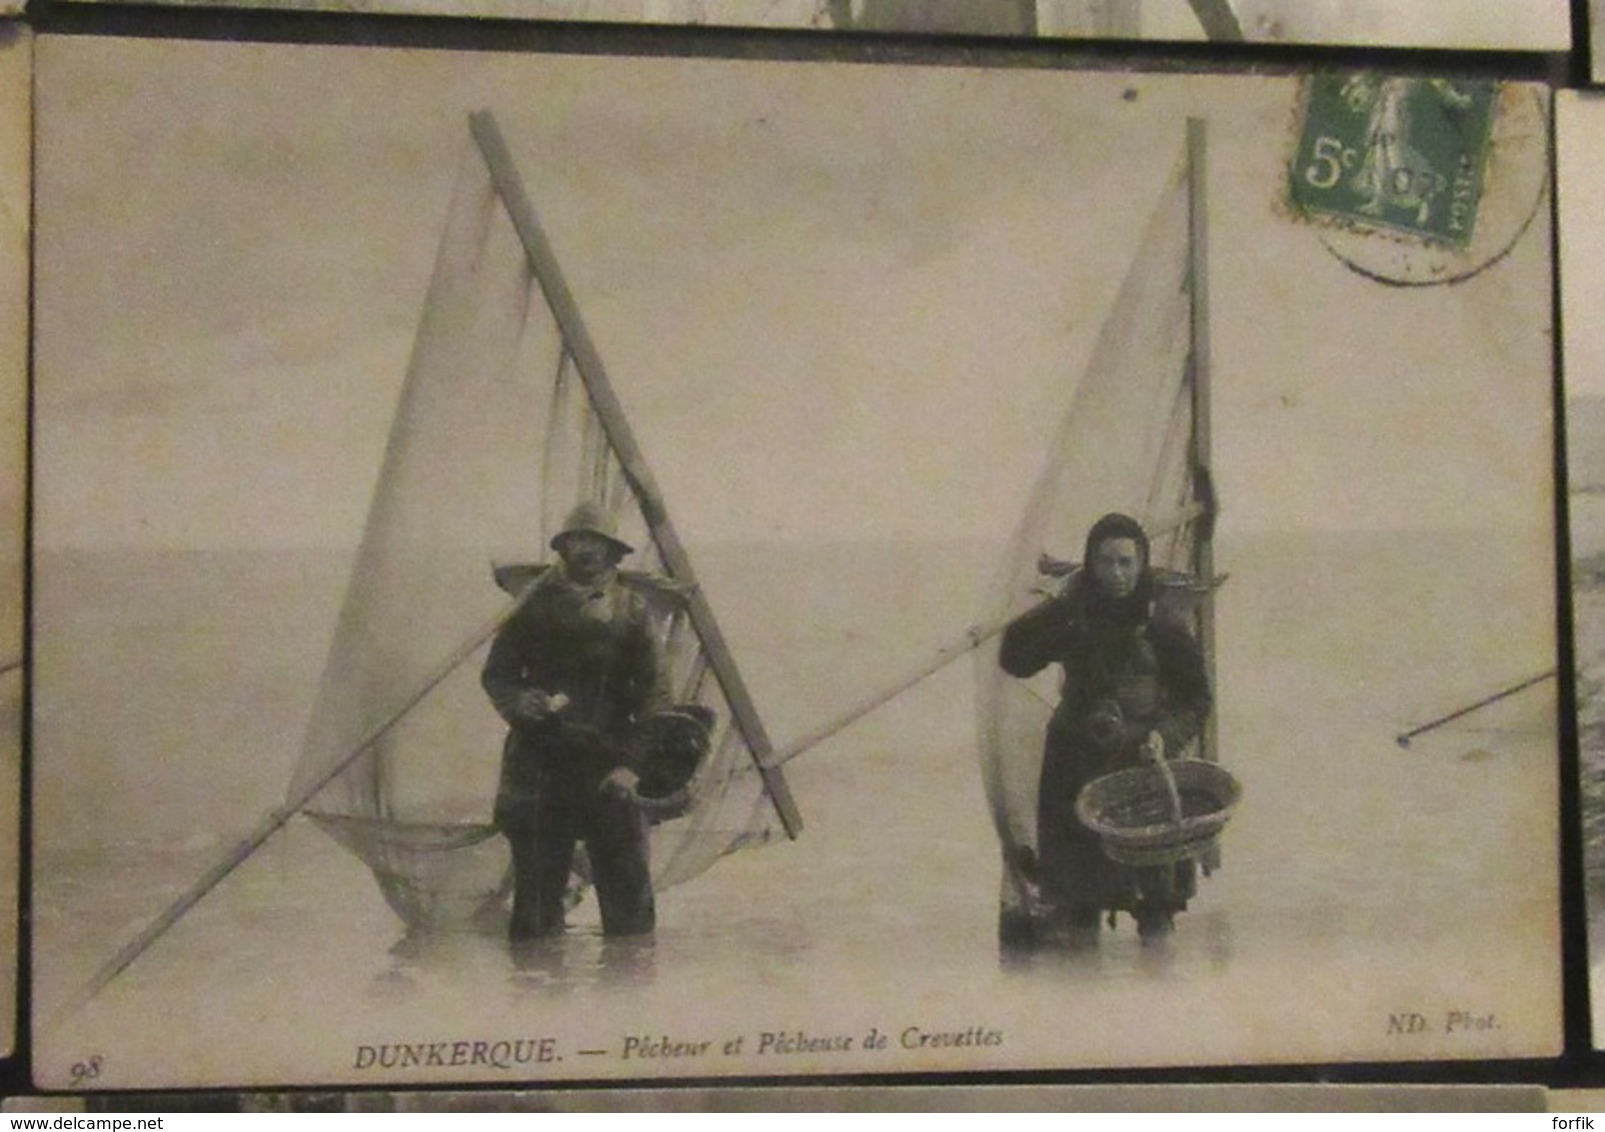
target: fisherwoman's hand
621 783
1153 747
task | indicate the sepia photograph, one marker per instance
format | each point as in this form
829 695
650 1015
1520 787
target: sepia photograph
1580 131
1537 25
554 568
15 154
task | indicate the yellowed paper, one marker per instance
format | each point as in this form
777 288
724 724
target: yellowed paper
844 309
15 152
1538 25
1580 126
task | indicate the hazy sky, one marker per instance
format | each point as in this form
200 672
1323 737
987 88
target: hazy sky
862 293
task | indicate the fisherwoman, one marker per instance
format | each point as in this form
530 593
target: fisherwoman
1134 687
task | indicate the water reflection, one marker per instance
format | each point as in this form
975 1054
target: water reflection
540 964
1203 943
575 959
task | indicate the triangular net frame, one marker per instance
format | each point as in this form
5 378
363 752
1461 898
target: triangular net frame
505 422
1134 439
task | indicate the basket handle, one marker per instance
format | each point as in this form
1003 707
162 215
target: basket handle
1153 749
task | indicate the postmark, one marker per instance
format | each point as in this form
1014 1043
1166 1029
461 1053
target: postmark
1413 180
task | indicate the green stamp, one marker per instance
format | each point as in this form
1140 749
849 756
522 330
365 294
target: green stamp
1404 155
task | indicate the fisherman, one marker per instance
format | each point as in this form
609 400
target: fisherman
1134 688
576 672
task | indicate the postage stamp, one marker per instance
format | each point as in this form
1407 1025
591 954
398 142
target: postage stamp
1391 152
1416 180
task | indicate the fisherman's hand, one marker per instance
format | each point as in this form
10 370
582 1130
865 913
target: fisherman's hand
536 706
621 783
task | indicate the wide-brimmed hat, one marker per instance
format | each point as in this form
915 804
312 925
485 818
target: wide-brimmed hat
592 519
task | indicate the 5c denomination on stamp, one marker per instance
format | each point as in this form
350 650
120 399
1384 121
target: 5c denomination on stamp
1414 180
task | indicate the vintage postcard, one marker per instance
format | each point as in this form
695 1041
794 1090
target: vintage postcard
1538 25
1580 133
15 152
586 568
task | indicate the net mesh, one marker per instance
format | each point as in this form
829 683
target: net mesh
495 439
1125 444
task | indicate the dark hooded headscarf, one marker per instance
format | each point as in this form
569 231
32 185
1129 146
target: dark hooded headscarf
1105 607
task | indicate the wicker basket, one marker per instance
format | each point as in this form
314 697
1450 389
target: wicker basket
1133 811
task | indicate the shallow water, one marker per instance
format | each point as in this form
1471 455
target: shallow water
1365 886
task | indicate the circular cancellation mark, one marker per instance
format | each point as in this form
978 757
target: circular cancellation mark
1418 181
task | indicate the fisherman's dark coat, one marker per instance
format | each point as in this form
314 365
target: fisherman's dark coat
594 645
1111 652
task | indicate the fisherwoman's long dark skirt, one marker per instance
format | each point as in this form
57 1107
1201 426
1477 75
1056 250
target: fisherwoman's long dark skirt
1077 879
